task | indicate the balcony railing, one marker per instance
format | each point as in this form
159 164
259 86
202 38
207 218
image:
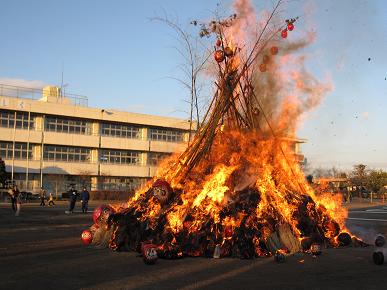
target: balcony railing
36 94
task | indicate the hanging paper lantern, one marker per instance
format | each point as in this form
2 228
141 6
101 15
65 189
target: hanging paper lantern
87 237
218 42
228 51
149 254
262 67
266 59
290 26
219 55
274 50
284 33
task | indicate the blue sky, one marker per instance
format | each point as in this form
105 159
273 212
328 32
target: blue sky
112 53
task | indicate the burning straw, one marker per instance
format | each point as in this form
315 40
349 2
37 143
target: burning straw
238 189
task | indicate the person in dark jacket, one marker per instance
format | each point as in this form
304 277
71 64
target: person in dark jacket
73 199
85 196
13 192
42 196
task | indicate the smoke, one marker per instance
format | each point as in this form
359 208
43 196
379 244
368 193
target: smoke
246 19
367 235
284 91
287 90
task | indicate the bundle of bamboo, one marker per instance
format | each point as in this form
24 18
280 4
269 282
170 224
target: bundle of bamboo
237 190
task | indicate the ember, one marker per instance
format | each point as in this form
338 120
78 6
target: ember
238 189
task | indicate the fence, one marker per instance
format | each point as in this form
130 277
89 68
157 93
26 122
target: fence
36 94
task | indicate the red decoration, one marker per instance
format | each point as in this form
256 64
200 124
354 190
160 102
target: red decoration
161 183
228 51
102 212
87 237
262 67
149 254
274 50
290 26
218 42
266 59
162 191
219 55
96 214
228 232
187 224
284 33
144 244
315 249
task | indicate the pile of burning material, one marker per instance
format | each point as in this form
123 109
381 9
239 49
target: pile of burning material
238 189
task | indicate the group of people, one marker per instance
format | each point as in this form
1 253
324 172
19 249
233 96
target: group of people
42 196
16 199
73 194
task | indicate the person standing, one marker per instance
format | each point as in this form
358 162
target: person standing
42 197
18 201
85 196
73 199
51 199
11 192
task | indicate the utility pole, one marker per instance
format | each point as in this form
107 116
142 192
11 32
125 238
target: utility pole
28 149
13 147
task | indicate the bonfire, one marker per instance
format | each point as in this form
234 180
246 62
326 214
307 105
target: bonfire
238 189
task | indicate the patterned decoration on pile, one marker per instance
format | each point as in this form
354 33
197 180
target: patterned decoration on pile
162 191
86 237
101 214
149 253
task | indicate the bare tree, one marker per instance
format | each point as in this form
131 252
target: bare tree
193 66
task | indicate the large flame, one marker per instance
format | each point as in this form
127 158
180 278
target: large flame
250 177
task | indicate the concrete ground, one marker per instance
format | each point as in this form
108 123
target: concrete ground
41 249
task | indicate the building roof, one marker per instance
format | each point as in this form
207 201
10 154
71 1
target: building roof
63 106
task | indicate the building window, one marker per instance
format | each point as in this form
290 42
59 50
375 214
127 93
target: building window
121 157
155 157
122 183
166 135
6 150
7 119
120 130
64 125
66 153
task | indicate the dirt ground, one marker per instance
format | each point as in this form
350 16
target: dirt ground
41 249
